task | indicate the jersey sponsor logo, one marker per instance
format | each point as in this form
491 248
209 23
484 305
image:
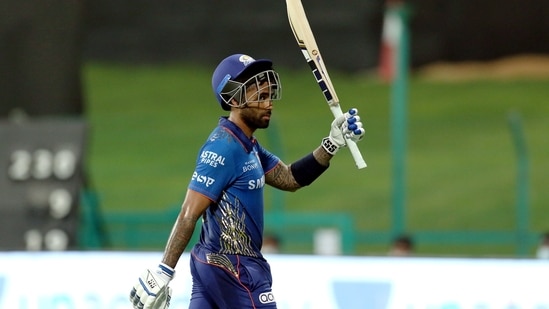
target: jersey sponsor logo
211 158
249 166
266 298
256 183
208 181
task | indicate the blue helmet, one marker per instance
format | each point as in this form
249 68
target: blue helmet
235 68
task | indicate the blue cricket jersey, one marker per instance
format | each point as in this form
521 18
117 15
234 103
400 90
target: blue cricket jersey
230 171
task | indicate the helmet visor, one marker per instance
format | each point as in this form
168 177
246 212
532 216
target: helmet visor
264 86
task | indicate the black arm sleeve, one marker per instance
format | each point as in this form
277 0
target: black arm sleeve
307 169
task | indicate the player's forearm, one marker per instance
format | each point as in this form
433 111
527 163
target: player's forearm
300 173
179 239
322 156
281 177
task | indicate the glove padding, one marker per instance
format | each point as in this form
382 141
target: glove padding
152 290
346 126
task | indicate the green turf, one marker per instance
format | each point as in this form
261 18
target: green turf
147 123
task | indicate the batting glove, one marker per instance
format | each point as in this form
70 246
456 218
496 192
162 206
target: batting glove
152 290
346 126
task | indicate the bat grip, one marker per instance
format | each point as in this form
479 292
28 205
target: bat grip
355 152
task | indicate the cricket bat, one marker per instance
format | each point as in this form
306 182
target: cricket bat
307 43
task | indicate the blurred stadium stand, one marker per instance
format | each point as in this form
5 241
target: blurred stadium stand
40 57
43 43
347 31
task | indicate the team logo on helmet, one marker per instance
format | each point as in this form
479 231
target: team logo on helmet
246 60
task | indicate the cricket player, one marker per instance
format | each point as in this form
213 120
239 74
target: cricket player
226 191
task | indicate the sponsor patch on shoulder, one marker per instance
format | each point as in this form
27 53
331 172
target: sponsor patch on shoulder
266 298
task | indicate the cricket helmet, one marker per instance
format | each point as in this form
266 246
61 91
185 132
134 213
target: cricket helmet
235 72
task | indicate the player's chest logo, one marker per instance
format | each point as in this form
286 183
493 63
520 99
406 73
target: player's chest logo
253 171
255 184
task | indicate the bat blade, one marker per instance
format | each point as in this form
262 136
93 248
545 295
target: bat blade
306 41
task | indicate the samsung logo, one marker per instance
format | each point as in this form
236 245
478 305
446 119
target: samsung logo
256 183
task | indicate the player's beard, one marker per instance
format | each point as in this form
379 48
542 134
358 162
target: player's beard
256 117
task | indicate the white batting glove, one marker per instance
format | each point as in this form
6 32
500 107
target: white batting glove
152 290
346 126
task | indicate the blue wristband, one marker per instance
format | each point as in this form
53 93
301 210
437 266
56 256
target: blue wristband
167 270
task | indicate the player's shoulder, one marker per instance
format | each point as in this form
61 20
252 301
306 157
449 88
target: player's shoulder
221 138
221 142
220 150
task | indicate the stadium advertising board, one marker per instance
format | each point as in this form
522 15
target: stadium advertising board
68 280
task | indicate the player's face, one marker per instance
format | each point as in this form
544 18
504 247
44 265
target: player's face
257 112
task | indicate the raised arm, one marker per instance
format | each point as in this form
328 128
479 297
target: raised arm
305 170
281 176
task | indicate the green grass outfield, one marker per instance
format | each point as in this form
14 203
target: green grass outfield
148 122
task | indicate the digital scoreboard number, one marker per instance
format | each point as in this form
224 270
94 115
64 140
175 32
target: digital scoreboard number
41 182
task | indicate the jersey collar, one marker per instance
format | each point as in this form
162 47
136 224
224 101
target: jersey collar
247 143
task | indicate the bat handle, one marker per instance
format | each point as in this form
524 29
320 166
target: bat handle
355 152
